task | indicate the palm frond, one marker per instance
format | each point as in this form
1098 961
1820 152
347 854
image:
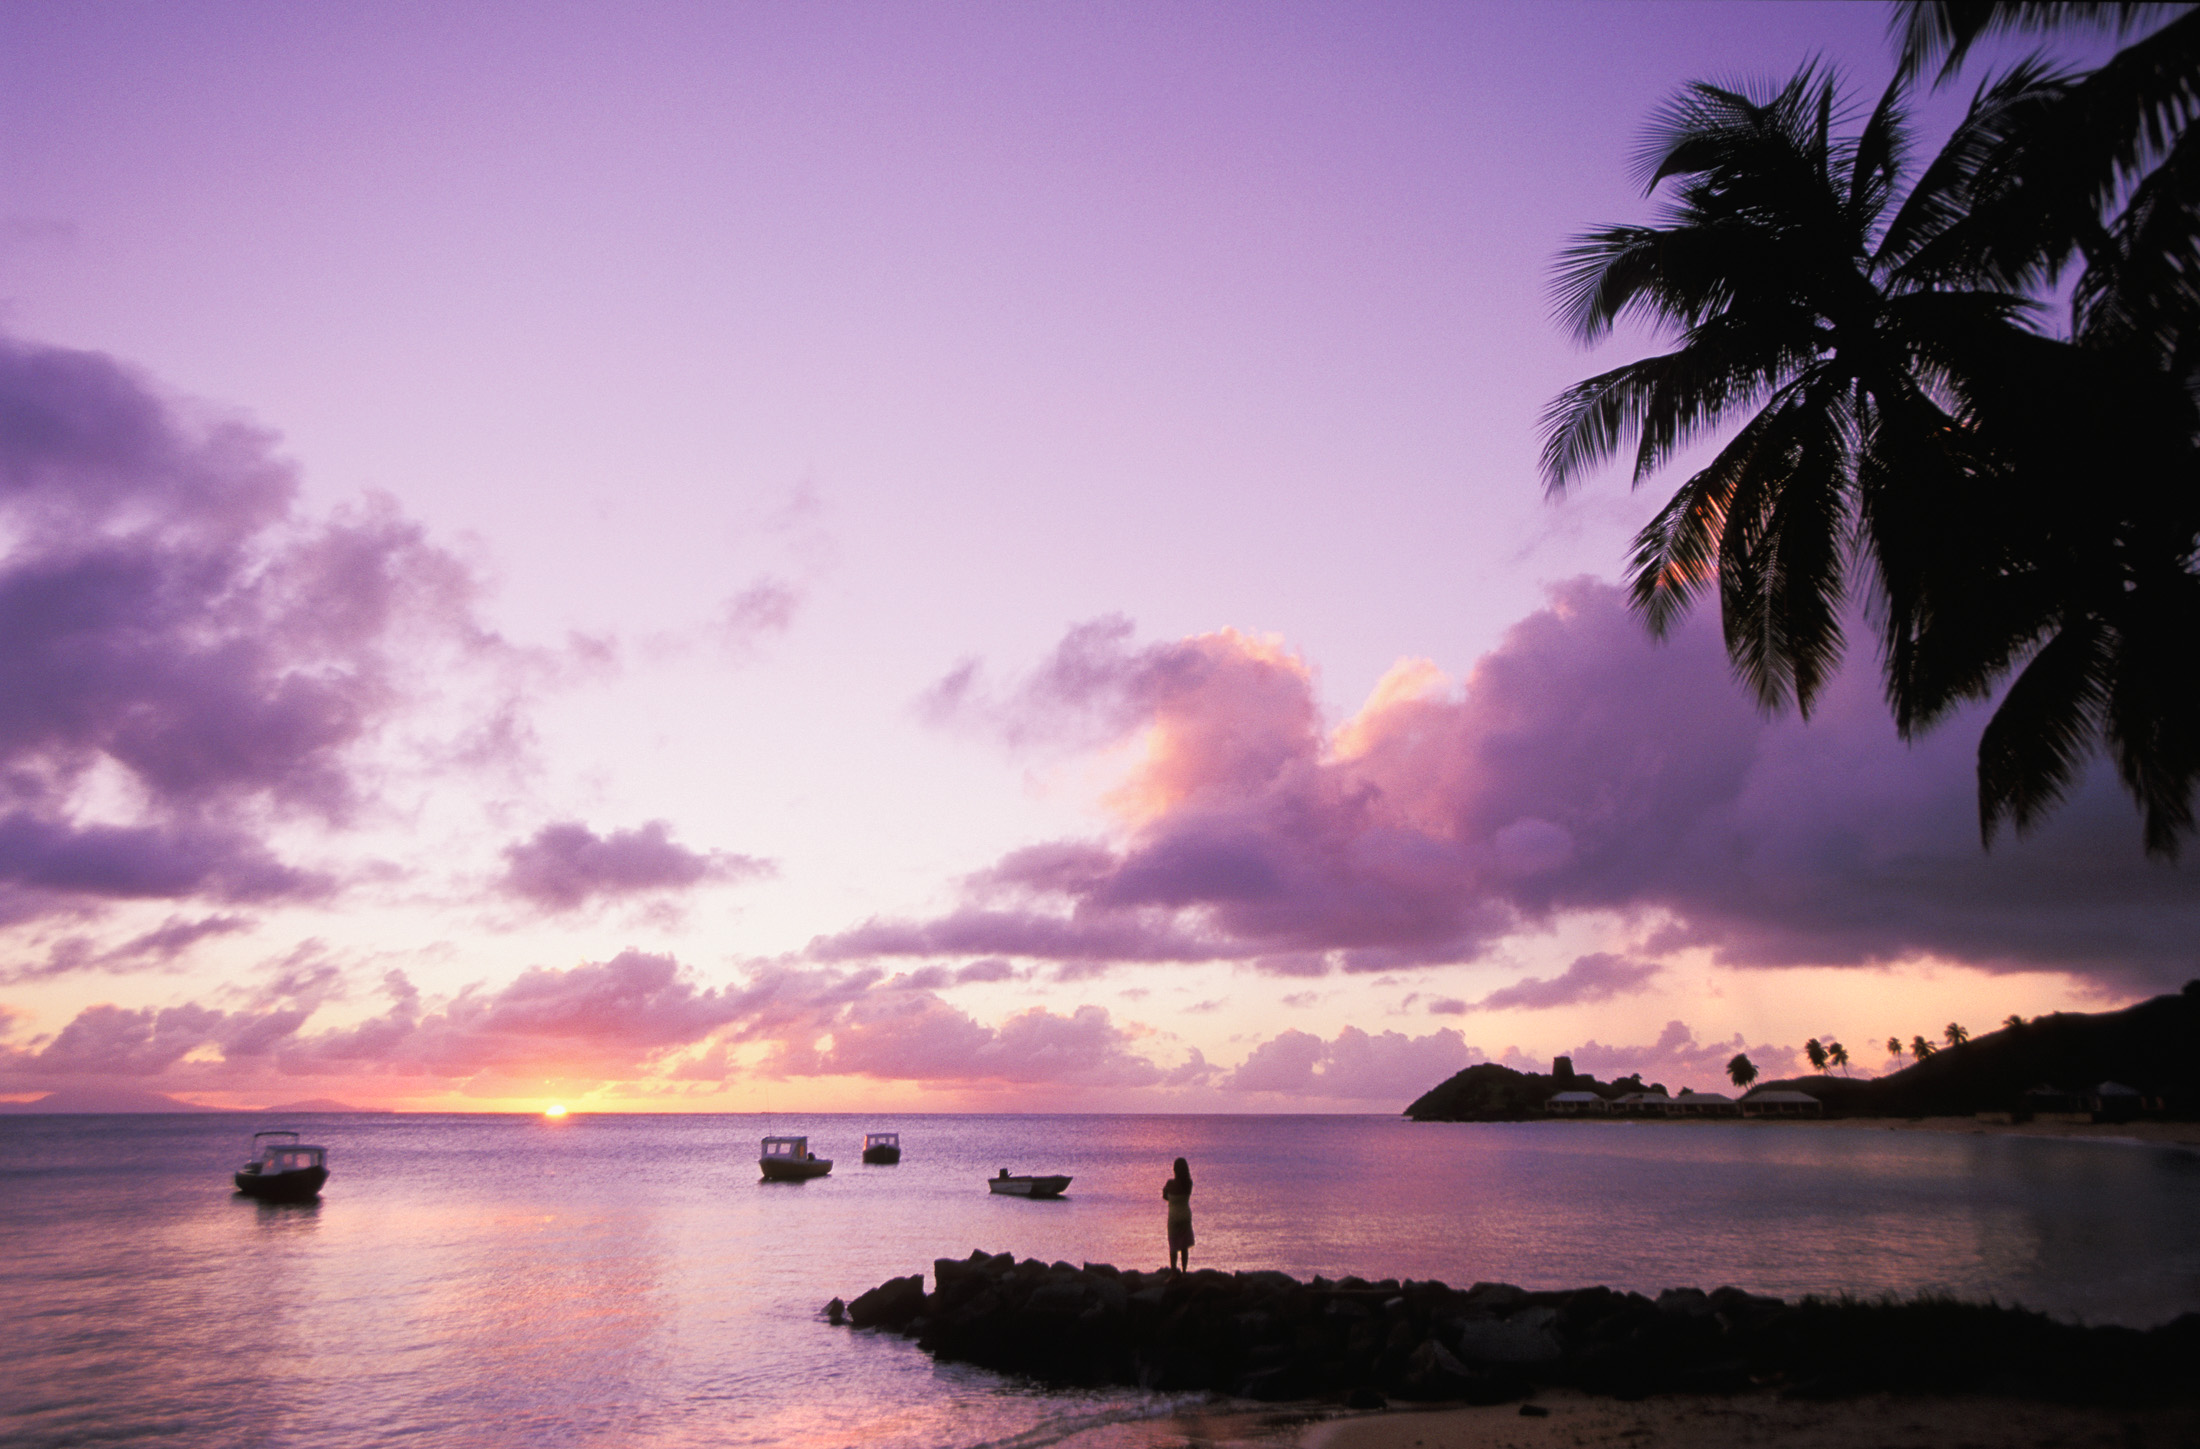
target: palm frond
1945 30
1783 553
2045 726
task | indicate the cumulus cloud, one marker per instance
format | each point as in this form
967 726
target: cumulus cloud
1386 1067
1597 977
1581 767
566 866
187 657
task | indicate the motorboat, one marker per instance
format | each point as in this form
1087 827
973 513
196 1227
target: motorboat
283 1169
1026 1186
788 1159
882 1147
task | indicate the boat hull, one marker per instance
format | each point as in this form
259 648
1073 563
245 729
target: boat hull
882 1154
802 1169
303 1185
1028 1186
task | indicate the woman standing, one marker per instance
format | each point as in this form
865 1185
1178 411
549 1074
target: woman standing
1177 1193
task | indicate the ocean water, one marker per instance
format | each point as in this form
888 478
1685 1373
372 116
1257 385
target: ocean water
628 1280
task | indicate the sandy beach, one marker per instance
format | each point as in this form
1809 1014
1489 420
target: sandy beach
1881 1421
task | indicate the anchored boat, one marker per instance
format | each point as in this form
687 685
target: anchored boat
788 1159
883 1147
283 1169
1027 1186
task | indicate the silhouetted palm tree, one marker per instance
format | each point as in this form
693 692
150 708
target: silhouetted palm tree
2101 165
1894 1047
1921 1048
2012 1021
2007 498
1816 1053
1955 1034
1742 1070
1839 1056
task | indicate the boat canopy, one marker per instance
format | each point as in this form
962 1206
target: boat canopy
882 1139
786 1147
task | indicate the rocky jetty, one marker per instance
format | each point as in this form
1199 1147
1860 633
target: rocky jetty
1271 1337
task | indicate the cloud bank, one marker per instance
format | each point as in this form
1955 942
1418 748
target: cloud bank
1581 768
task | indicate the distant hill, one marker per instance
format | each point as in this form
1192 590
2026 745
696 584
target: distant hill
320 1104
2153 1047
105 1099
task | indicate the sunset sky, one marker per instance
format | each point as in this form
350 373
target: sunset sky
916 557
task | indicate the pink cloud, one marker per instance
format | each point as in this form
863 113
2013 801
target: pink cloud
634 1015
1387 1067
1582 767
1597 977
565 866
158 947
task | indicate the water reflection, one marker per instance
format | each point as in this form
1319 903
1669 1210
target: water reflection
475 1280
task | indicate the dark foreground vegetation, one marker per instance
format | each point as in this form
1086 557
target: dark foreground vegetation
2153 1047
1268 1336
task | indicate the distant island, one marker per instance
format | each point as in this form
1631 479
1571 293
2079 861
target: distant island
2141 1061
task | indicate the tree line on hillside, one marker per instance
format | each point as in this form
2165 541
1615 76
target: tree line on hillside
2153 1048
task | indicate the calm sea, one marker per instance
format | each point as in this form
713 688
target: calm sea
628 1280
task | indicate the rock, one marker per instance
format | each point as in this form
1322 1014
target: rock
1365 1398
1516 1340
836 1312
890 1305
1534 1411
1496 1298
1268 1337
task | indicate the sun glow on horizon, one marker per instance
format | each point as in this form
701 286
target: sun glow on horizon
554 1111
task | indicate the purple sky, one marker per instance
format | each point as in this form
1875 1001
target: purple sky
902 556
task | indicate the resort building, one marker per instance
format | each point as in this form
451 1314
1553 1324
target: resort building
1576 1104
1705 1104
1642 1104
1782 1104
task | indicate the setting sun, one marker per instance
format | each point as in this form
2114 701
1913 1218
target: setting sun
555 1109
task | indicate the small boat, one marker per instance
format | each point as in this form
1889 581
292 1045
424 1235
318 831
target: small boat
283 1169
1027 1186
788 1159
882 1147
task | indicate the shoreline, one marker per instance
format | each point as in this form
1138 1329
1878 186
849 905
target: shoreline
1731 1421
2146 1132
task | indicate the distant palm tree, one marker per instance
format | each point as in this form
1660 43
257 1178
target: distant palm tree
1816 1053
1921 1048
1955 1033
1839 1056
1894 1047
2013 1021
1742 1070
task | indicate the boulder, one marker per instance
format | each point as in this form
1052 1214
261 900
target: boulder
1521 1339
893 1304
